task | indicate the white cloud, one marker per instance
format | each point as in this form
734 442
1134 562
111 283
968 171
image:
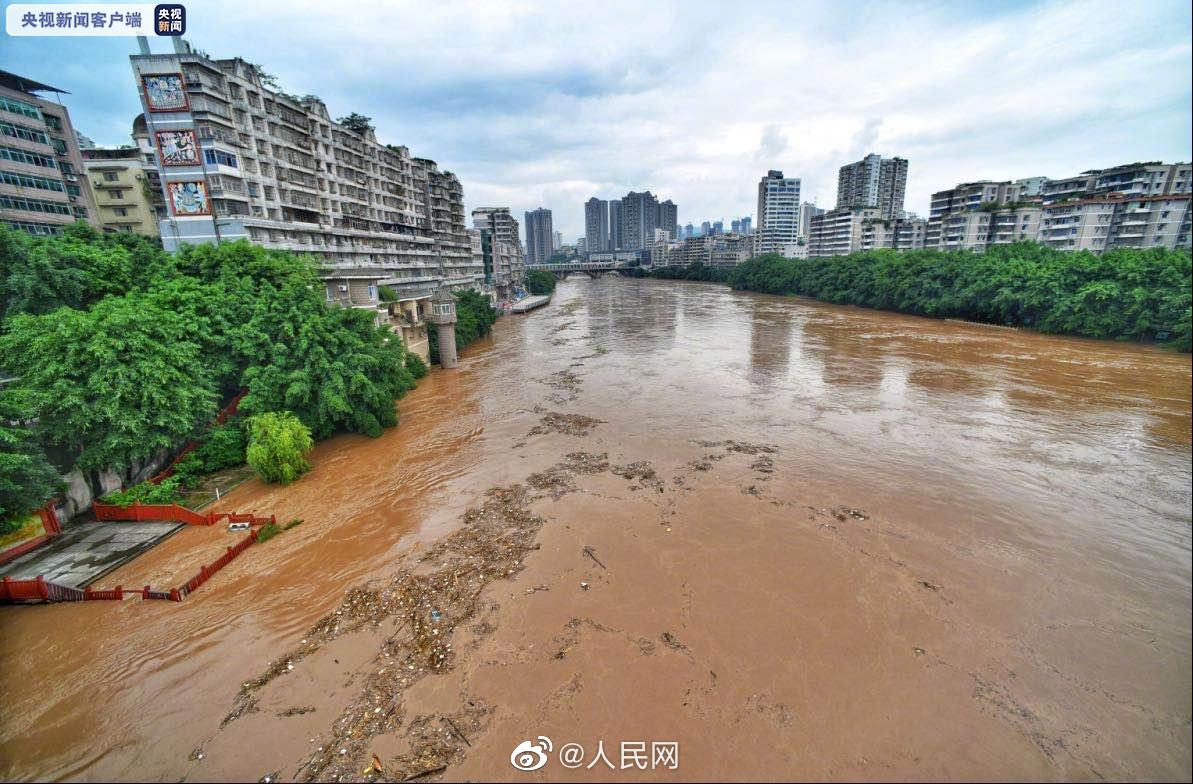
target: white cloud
545 104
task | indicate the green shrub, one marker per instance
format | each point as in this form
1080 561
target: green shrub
297 521
267 532
169 491
222 447
416 365
278 444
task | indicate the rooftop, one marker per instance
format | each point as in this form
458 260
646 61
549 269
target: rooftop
14 82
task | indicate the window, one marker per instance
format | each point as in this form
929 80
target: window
19 107
117 194
219 157
23 132
111 176
41 229
52 122
23 156
120 211
34 205
27 181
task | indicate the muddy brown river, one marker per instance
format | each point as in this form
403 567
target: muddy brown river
790 538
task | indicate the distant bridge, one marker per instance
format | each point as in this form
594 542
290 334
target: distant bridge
593 269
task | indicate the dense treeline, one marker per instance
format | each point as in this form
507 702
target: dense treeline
475 317
1123 293
698 271
120 350
540 282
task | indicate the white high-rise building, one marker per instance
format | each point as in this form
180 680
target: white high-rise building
778 214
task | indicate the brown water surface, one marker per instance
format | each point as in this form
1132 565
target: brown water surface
1013 599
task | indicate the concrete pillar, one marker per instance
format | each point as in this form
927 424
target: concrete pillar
447 345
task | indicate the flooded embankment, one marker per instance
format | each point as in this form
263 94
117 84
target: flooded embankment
796 539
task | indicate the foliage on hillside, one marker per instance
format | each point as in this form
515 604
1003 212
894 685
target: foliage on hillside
1123 294
121 350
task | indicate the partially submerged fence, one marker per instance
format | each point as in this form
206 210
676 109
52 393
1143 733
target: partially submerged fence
138 512
41 590
50 525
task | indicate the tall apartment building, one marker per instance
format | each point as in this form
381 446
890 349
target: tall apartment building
502 259
1151 178
668 219
857 229
640 217
977 215
596 225
807 211
148 151
1137 205
1100 223
501 222
240 160
873 181
123 192
616 226
778 214
539 236
42 186
711 250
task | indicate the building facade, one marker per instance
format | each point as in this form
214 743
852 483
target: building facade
123 193
977 215
43 186
1151 178
596 224
778 214
640 216
807 211
873 181
238 159
616 226
668 218
857 229
540 234
1103 223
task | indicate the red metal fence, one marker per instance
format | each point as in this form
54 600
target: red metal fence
49 520
41 590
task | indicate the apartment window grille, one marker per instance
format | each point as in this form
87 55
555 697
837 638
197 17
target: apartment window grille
19 107
24 156
34 205
27 181
24 132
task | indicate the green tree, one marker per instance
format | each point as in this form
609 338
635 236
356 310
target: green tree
332 367
27 480
540 282
278 445
115 383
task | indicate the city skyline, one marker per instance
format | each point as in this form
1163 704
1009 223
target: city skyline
595 126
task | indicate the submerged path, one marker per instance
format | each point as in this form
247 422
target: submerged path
794 538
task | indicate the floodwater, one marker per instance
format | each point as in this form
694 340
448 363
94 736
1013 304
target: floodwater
879 547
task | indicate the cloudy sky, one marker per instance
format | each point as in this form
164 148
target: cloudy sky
548 103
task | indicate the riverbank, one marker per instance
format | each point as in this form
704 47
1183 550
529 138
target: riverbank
1122 294
872 546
